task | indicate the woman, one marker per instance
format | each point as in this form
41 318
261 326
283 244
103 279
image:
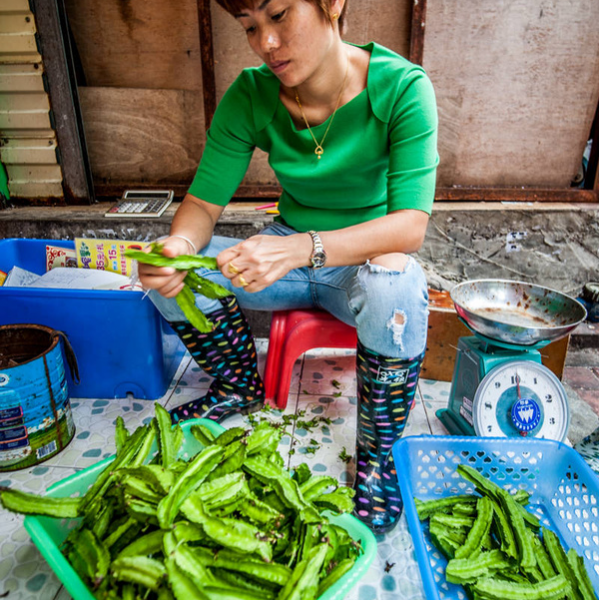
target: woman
351 135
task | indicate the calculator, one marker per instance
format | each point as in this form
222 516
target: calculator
141 203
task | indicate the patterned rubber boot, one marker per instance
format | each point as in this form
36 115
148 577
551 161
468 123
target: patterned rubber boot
386 389
228 354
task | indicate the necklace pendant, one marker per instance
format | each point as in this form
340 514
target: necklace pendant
319 151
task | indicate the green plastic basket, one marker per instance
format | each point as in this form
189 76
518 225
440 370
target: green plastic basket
48 533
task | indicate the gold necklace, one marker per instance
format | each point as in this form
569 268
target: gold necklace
319 150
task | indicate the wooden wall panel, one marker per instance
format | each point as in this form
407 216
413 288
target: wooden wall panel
137 43
517 84
144 136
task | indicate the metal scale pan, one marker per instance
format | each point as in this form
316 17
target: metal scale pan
514 312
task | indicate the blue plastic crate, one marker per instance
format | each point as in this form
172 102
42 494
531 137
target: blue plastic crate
564 492
122 343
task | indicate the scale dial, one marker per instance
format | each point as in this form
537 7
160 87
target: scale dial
521 398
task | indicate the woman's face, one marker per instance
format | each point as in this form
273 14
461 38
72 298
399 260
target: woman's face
292 37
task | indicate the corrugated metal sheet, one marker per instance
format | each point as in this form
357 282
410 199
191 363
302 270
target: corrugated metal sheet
27 138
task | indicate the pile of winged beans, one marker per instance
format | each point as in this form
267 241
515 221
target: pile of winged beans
498 550
229 523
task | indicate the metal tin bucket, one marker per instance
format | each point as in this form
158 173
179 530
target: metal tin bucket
35 412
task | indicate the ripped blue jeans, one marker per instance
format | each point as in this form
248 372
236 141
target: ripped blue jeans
388 308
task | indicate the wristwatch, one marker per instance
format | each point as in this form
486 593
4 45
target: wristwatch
318 257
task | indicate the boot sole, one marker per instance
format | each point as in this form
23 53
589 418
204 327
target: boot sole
252 408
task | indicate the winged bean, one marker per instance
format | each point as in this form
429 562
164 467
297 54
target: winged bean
426 509
146 545
222 593
335 575
229 436
203 434
245 583
258 511
230 533
183 262
145 447
206 287
585 586
121 434
138 488
145 571
479 529
468 569
32 504
339 501
305 587
219 488
263 439
452 521
184 531
316 485
559 560
186 301
550 589
167 439
140 510
157 477
542 558
504 530
280 480
91 556
195 473
120 530
271 573
99 487
101 522
183 587
188 561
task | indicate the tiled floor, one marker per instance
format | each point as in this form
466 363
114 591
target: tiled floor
323 384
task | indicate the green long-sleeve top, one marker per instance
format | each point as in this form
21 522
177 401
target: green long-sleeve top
380 154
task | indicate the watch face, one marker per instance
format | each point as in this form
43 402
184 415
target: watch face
318 260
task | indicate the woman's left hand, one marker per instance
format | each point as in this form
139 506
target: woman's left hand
259 261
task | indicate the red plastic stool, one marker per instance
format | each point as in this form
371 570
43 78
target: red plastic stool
293 332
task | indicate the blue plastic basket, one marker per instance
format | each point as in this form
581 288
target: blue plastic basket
48 533
564 492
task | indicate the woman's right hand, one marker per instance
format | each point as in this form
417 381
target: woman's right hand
165 280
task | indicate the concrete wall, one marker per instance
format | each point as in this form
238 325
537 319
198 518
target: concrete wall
548 244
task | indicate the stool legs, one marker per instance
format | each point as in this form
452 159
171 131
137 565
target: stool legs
228 353
386 389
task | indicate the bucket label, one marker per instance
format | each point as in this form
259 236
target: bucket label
12 434
22 442
6 423
46 450
16 412
4 379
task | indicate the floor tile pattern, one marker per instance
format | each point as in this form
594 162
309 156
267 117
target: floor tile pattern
322 393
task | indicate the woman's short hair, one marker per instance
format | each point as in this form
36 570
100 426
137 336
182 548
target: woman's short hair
236 6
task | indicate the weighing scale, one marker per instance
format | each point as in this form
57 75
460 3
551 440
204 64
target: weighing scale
500 388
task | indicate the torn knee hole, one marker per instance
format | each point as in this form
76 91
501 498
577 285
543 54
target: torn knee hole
396 261
397 324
